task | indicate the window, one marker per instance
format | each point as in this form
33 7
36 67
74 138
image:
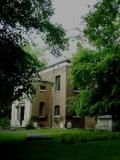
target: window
42 87
57 110
41 108
57 83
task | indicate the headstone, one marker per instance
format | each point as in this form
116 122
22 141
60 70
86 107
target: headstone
104 122
69 125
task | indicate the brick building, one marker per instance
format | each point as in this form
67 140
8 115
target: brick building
49 107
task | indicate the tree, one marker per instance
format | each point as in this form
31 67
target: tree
103 24
97 76
19 18
97 72
17 72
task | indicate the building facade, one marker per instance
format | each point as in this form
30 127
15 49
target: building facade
49 107
20 113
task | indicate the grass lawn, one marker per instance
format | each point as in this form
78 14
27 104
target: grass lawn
13 145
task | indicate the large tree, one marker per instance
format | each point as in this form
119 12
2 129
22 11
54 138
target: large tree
17 72
19 19
20 16
97 72
103 24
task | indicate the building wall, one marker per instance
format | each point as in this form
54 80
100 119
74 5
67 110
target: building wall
59 97
45 96
90 122
53 98
77 122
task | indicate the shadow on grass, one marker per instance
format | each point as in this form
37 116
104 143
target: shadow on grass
24 150
51 150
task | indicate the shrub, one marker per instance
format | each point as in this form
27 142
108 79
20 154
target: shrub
30 125
67 138
5 122
88 136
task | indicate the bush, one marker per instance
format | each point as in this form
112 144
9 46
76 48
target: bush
88 136
67 138
30 125
5 122
116 125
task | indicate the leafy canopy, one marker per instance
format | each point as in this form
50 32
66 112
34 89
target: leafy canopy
103 24
97 72
19 18
97 76
17 72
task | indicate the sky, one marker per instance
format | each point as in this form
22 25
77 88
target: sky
69 13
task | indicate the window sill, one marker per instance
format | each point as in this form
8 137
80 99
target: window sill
57 116
76 117
57 91
41 116
42 90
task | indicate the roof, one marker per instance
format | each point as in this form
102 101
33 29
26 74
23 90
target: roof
66 60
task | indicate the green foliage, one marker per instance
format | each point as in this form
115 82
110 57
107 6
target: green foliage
18 20
4 122
80 103
96 73
97 76
61 135
84 60
34 118
116 125
103 23
85 136
49 149
30 125
29 15
17 70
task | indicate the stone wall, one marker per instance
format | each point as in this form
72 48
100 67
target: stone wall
90 122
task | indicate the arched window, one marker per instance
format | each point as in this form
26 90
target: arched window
41 108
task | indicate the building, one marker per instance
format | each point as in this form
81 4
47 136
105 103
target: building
49 107
20 113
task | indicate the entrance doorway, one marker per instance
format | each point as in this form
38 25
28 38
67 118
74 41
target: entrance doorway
22 110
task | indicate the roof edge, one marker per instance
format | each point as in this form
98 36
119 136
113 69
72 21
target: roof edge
66 60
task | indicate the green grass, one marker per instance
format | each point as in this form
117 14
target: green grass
14 145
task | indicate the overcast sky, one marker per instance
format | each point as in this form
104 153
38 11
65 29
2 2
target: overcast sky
69 13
